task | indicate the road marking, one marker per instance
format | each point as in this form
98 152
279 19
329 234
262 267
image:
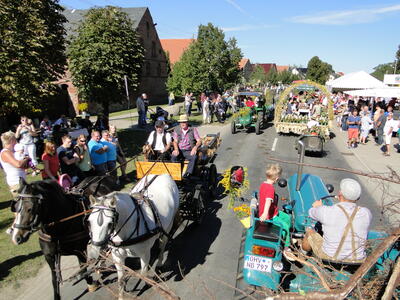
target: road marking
274 144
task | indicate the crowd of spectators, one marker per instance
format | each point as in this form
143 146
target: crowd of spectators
60 153
367 119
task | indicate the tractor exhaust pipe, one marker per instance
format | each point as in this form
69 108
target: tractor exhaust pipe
300 167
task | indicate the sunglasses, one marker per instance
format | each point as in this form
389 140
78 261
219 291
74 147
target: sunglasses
83 141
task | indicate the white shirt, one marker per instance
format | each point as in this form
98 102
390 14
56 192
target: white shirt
12 173
188 100
159 143
334 221
390 124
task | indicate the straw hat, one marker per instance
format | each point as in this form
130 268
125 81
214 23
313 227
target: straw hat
183 118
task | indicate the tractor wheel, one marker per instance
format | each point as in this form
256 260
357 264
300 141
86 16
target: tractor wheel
233 127
212 180
198 204
259 123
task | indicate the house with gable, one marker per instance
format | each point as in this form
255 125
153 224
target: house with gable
246 68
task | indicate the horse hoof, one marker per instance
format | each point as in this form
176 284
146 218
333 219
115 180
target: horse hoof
92 287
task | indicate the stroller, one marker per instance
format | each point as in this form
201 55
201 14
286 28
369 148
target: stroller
220 111
158 114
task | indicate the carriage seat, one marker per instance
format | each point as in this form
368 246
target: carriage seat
266 231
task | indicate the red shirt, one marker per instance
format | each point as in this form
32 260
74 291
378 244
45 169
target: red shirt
267 191
54 164
250 103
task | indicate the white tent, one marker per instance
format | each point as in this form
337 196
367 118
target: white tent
356 80
388 92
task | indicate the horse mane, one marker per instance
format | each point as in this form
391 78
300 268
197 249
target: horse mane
48 188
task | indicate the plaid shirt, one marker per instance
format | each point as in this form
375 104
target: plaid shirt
184 144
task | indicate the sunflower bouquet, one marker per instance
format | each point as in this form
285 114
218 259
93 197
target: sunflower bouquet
234 186
242 211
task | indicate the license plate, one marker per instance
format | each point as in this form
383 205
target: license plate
258 263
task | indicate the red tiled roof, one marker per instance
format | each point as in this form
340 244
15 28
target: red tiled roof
282 68
243 62
267 67
175 47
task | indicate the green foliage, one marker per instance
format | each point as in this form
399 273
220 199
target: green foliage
32 53
318 71
398 53
209 64
258 75
273 77
382 69
105 49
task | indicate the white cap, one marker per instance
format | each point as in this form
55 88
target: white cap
350 189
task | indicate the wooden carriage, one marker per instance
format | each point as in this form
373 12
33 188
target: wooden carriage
195 192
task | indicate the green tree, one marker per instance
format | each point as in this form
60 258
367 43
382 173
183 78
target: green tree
209 64
273 77
286 77
32 53
258 75
397 62
318 71
105 49
382 69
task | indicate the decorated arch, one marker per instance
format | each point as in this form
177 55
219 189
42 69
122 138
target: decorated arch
286 124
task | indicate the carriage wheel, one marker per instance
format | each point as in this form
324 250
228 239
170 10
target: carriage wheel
233 127
212 179
198 208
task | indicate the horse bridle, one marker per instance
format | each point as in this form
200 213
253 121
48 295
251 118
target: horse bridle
100 209
36 201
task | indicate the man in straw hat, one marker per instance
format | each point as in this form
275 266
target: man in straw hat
186 142
345 226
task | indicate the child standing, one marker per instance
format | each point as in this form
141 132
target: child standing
268 206
19 154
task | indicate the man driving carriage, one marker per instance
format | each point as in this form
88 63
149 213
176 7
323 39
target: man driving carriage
345 226
186 143
158 143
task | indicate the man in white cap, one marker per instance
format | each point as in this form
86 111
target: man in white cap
186 142
345 226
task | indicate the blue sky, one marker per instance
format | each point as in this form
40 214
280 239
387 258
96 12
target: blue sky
350 35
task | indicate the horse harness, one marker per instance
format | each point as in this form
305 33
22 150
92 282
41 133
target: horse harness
34 224
138 199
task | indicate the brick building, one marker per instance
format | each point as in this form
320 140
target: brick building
154 71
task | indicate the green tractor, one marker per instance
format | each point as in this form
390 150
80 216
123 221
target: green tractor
255 115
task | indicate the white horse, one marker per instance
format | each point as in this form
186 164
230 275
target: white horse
116 218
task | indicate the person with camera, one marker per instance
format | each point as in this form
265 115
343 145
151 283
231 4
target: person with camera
26 134
68 159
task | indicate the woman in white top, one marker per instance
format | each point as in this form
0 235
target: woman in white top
13 168
26 133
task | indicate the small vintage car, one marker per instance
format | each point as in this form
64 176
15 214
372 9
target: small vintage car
249 117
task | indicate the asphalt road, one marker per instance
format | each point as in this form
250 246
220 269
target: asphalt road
202 260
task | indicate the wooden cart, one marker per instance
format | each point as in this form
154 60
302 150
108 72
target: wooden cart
196 192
